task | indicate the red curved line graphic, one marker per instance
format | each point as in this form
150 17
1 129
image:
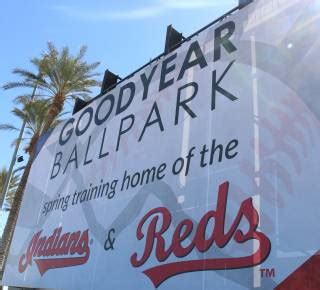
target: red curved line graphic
161 273
47 264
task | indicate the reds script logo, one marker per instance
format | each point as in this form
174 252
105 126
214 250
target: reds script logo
160 221
55 251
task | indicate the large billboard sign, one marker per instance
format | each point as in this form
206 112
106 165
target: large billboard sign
199 172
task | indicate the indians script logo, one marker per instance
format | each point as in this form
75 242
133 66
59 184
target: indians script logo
56 251
158 220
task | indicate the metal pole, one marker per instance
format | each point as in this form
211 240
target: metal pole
14 156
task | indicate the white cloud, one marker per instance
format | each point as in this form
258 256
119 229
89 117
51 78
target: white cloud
152 10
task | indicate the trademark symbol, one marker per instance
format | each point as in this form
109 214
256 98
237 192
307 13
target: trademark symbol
267 272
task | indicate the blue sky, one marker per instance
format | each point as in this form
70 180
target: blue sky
122 35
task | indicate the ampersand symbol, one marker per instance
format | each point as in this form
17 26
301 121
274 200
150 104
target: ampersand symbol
108 245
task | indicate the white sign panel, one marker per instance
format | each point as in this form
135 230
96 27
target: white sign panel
199 172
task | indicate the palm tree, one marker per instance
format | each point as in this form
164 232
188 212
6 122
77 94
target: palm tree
60 77
35 114
14 182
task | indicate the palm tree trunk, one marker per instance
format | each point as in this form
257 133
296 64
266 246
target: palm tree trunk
16 204
55 109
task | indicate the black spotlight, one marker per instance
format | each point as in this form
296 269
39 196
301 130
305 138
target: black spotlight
173 39
79 104
20 159
109 81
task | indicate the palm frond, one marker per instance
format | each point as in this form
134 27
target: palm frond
13 85
25 74
82 52
16 140
8 127
13 185
60 76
